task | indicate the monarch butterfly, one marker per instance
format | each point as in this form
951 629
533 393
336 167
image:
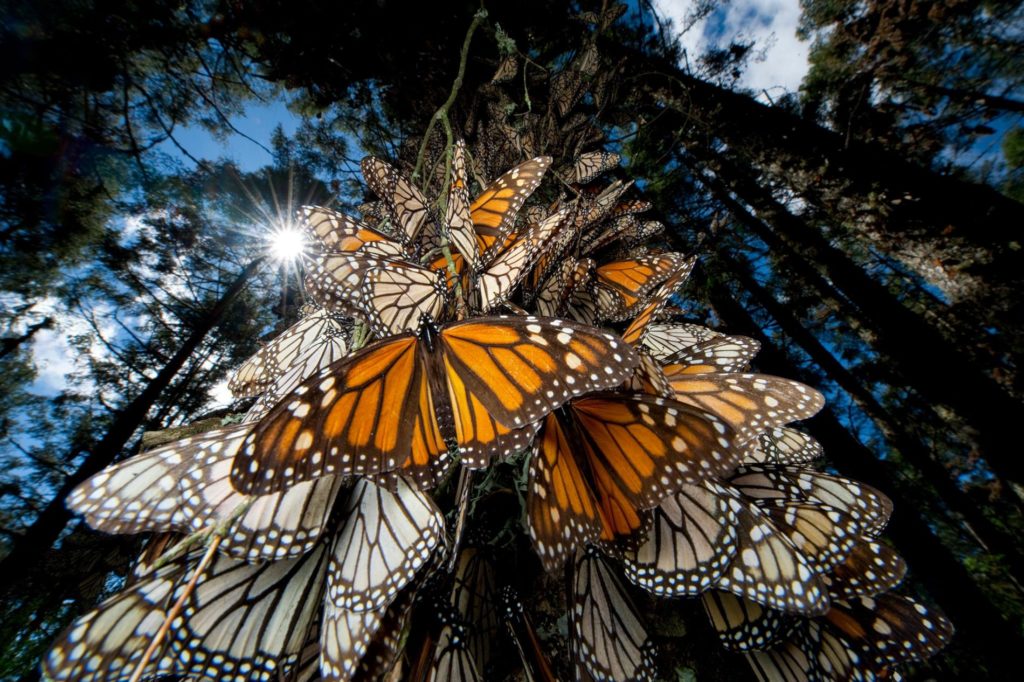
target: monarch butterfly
605 457
857 639
749 403
183 486
720 354
768 568
231 626
823 535
637 330
474 595
864 504
631 207
690 543
507 69
404 402
592 211
589 165
525 638
870 568
385 538
662 340
783 445
493 213
385 648
406 205
556 293
607 634
595 240
649 378
345 639
330 347
623 287
257 373
393 296
337 233
743 625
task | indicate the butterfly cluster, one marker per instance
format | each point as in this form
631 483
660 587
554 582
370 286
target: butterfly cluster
497 330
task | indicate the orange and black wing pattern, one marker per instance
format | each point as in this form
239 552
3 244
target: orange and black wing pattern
337 233
494 211
607 457
367 414
404 403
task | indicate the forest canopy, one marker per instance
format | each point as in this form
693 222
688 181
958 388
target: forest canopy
805 299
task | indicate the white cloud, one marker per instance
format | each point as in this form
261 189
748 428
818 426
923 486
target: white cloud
771 24
53 355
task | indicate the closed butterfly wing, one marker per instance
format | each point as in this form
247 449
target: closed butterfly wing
139 494
689 545
767 568
458 216
637 330
866 505
720 354
554 297
787 662
330 348
662 340
592 164
107 643
743 625
393 296
250 620
623 288
260 371
870 568
608 635
524 636
407 207
749 403
494 211
335 232
384 539
232 624
345 638
824 536
562 512
889 628
385 649
269 527
783 445
497 282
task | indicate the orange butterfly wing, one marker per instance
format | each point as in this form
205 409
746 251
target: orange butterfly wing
494 211
363 415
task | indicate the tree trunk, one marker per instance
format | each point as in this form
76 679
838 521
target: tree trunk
47 527
934 367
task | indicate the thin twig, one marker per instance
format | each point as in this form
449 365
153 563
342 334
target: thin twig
442 111
175 610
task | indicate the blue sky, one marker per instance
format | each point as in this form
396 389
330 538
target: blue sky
258 122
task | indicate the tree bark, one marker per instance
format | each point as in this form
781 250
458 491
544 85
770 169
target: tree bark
27 549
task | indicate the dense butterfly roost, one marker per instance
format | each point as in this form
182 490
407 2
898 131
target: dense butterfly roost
377 503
